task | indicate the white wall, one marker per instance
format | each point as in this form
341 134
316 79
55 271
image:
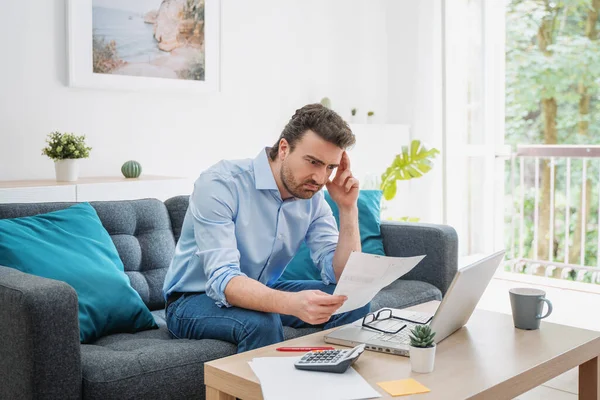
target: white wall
276 56
415 93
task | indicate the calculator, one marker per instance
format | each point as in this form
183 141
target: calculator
336 361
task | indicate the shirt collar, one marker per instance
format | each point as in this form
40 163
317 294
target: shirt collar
263 175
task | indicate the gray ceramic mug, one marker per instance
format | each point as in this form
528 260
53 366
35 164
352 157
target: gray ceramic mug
527 305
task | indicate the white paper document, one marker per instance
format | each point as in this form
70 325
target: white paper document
279 379
366 274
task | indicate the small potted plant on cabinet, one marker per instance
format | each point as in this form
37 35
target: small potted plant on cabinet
65 149
371 117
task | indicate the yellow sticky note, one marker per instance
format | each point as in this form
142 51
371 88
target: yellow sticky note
403 387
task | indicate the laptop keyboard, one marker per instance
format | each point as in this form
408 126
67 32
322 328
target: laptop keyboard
402 336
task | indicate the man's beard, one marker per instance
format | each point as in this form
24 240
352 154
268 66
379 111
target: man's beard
293 187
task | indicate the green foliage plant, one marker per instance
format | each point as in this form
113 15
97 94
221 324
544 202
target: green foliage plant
61 146
413 162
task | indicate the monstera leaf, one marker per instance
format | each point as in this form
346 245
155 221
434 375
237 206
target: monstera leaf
413 162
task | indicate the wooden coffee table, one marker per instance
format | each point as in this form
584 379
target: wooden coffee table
487 359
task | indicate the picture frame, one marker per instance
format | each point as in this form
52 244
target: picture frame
158 70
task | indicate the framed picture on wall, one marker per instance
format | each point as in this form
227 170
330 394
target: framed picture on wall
170 45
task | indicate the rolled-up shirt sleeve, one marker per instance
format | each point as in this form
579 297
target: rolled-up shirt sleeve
322 238
213 206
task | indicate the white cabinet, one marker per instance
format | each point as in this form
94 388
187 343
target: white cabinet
94 189
38 194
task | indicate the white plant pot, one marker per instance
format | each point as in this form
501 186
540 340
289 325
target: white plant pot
67 170
422 359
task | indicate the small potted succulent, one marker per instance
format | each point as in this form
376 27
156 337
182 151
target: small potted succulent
66 149
326 102
422 349
370 117
353 115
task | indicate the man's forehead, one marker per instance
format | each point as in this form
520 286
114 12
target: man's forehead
324 157
320 149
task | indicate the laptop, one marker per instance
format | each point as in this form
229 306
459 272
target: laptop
454 311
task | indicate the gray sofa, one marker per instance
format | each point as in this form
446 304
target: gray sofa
40 353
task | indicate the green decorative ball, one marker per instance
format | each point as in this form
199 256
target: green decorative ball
131 169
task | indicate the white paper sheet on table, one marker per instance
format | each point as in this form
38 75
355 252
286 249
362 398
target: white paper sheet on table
279 379
366 274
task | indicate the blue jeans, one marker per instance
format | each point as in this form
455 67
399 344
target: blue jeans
196 316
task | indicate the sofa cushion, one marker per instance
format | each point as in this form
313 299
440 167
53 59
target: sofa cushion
150 364
72 246
141 232
177 207
301 267
403 293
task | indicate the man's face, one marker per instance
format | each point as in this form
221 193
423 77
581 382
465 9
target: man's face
305 170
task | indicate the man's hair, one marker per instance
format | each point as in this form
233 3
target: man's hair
321 120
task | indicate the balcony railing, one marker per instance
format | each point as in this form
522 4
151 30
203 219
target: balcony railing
554 206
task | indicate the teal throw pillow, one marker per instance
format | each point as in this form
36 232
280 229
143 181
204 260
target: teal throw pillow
72 246
369 205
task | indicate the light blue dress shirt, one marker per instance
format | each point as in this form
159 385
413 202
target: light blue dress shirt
237 224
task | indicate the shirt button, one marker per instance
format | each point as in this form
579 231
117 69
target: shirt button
280 236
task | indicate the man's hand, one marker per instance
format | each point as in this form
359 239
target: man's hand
343 189
315 307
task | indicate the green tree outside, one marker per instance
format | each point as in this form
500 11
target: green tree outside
552 87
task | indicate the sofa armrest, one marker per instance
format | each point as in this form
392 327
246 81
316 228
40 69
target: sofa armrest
438 242
39 338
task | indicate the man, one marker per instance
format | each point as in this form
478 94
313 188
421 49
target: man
246 220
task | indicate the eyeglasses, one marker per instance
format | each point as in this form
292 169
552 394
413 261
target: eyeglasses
381 315
384 314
